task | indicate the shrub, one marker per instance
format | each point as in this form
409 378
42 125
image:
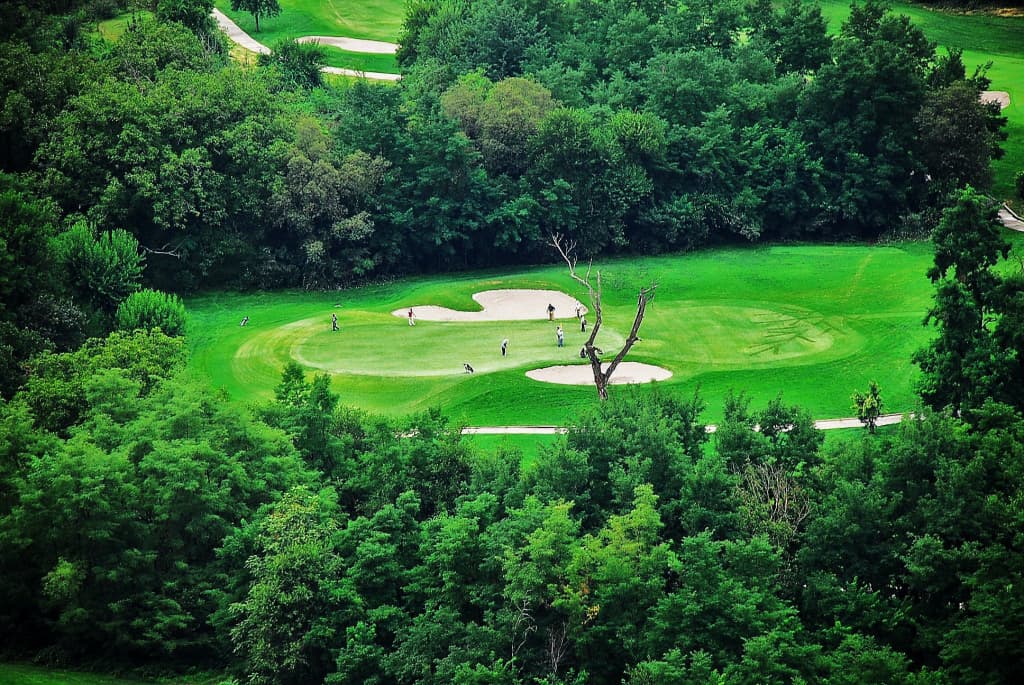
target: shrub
1020 184
148 309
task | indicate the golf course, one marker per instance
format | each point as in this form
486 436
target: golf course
814 323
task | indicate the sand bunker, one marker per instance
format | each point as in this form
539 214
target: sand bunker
581 374
999 96
503 305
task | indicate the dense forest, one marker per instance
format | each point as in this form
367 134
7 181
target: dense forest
146 520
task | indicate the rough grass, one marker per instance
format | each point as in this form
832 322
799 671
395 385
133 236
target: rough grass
812 322
984 38
370 19
24 674
112 29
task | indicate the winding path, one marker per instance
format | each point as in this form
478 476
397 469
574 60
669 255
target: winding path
240 37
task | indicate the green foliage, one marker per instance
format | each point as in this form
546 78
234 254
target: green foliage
257 8
299 63
195 14
970 361
102 268
868 406
152 309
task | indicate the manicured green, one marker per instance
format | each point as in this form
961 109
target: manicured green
983 38
372 20
812 322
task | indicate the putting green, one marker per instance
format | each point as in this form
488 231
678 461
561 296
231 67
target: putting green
758 333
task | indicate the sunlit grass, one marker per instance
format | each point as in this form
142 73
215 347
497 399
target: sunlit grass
812 322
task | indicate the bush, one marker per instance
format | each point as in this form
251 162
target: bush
148 309
1020 184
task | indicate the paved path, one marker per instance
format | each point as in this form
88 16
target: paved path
823 424
238 35
243 39
1011 220
373 47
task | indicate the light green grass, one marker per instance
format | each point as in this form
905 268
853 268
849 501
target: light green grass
983 38
112 29
24 674
812 322
369 19
529 447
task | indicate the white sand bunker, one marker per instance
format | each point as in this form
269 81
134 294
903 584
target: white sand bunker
503 305
581 374
1001 97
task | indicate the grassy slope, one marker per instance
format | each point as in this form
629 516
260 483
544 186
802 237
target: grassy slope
370 19
814 322
24 674
983 38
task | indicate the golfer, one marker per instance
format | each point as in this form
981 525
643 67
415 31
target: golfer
334 322
561 336
504 347
551 312
412 317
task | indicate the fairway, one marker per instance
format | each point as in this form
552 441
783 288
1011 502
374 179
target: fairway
379 20
812 322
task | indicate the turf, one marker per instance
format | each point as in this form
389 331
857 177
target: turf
812 322
370 19
984 38
24 674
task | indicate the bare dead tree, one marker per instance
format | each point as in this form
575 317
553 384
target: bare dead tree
522 626
167 250
558 645
602 377
772 501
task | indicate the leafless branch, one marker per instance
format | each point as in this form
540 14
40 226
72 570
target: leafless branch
524 625
557 647
165 250
601 377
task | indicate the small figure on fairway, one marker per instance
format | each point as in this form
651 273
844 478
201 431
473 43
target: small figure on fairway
551 312
583 352
583 324
561 336
412 317
467 367
579 311
504 347
244 321
334 322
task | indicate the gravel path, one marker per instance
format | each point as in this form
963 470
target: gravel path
243 39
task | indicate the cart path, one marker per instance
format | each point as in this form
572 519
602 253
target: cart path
822 424
240 37
1010 219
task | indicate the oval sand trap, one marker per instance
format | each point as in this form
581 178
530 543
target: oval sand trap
503 305
581 374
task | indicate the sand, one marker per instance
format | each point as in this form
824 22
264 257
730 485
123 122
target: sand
581 374
503 305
